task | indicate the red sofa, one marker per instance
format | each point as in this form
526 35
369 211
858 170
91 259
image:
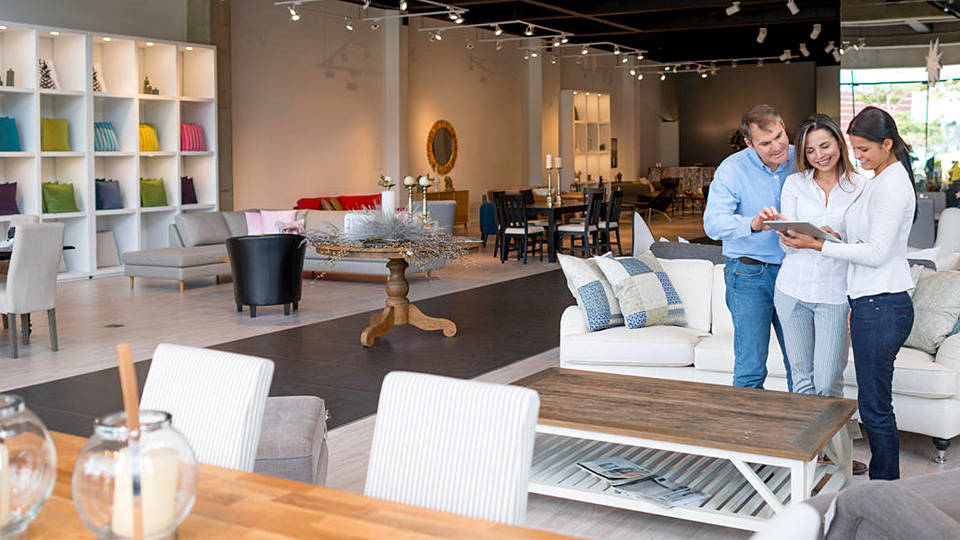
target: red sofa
343 202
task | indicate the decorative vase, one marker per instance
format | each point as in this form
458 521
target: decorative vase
10 77
103 478
388 202
28 466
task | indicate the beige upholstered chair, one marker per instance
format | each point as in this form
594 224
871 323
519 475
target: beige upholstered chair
31 283
454 445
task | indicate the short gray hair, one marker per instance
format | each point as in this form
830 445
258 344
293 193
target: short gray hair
761 115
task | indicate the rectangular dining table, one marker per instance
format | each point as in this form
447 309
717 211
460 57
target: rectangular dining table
238 504
554 213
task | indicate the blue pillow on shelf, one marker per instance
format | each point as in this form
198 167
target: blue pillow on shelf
108 194
105 138
9 140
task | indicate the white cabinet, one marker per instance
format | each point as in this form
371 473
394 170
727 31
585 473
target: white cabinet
584 136
184 75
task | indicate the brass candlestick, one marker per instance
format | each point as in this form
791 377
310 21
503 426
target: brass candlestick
559 198
549 188
424 206
410 197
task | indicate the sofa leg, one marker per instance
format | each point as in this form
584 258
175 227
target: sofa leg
218 279
296 306
253 311
941 445
131 283
181 286
286 309
239 308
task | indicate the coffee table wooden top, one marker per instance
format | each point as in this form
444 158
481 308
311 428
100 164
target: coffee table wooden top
748 420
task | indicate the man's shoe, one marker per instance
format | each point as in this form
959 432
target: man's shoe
859 467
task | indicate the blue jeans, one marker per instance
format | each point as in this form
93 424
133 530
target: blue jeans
817 343
879 325
750 301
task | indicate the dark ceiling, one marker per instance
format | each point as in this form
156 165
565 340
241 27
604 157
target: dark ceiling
670 30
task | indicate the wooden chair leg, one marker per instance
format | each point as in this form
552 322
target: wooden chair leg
14 338
6 324
525 237
52 323
131 285
25 327
181 286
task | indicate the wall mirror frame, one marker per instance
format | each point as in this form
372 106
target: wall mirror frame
442 147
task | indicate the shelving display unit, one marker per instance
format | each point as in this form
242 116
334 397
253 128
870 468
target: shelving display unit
185 76
584 135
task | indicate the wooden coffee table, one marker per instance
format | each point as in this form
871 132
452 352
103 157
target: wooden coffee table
752 450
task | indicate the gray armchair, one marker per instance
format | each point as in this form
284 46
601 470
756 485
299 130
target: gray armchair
442 211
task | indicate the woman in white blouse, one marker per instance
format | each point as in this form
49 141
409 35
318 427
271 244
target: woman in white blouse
875 244
811 290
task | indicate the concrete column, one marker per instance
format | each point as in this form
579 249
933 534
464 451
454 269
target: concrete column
625 128
533 172
395 128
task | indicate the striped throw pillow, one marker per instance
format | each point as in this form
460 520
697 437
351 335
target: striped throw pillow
149 142
647 296
105 138
592 291
191 138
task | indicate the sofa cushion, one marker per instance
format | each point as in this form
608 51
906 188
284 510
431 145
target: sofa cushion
647 296
202 228
693 280
236 223
662 346
721 323
592 291
253 222
936 305
359 202
177 257
321 220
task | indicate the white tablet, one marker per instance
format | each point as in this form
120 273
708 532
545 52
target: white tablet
804 227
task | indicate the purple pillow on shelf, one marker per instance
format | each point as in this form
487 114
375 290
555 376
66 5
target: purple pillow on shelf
188 192
8 199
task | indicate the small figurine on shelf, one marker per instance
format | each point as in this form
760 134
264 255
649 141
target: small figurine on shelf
148 88
10 77
447 183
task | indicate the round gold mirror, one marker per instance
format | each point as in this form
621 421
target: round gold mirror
442 147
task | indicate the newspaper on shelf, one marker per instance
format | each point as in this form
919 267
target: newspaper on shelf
628 478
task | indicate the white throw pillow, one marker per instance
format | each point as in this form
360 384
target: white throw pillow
592 291
646 295
936 310
273 220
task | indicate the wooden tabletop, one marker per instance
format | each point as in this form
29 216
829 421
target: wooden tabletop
236 504
565 207
765 422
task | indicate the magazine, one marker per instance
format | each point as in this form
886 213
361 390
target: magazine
633 480
616 470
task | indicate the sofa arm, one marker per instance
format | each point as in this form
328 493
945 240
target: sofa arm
949 352
572 322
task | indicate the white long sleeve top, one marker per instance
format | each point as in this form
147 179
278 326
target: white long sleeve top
807 274
877 225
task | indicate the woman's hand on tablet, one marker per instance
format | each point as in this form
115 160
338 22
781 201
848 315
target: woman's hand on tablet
800 241
827 229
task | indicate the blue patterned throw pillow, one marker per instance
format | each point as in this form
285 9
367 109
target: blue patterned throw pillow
592 291
646 295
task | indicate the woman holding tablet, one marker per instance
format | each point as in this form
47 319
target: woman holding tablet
877 225
811 290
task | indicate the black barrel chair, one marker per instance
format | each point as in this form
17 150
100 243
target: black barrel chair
267 270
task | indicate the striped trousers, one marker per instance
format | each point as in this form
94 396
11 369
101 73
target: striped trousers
815 336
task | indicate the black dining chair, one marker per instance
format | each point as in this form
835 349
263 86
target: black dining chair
518 233
528 201
267 270
610 222
497 199
588 231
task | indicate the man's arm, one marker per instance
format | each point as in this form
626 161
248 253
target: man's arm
720 221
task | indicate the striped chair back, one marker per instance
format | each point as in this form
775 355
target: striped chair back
454 445
216 399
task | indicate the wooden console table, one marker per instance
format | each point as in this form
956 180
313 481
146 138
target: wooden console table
462 214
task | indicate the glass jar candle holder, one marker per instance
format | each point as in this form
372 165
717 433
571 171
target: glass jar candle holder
103 477
28 466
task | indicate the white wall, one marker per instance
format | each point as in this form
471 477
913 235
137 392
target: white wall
162 19
308 105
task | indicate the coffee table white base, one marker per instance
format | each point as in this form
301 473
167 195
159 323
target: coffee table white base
747 489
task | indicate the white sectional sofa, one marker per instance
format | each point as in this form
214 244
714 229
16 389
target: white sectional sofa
926 396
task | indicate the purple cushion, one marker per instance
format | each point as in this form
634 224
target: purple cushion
188 192
8 199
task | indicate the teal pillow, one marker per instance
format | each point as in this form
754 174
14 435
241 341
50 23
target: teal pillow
104 137
9 140
152 192
58 198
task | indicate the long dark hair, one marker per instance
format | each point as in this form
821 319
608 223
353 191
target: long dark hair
822 121
875 124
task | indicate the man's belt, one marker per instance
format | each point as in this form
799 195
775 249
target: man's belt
748 260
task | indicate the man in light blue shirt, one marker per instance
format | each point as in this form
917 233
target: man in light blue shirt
744 193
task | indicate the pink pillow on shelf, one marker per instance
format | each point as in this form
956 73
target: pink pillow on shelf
254 222
273 220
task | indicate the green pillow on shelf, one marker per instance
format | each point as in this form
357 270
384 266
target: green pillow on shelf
152 192
54 135
58 198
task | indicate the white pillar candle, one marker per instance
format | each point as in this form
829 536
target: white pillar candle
4 485
158 491
409 181
558 163
388 202
549 161
424 181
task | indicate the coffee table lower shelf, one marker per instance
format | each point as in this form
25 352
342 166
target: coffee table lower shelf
737 500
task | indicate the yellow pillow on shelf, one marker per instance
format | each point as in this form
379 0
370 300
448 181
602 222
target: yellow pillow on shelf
148 138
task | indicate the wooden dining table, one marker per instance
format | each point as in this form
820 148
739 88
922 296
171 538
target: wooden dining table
237 504
555 214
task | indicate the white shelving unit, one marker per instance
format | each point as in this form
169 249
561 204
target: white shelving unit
584 135
185 75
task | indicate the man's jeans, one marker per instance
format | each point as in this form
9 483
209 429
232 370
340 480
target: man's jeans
879 325
750 301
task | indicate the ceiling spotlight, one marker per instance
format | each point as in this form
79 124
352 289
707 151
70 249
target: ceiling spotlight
836 55
438 35
529 30
733 64
459 19
616 50
759 62
499 44
348 24
366 4
469 45
584 50
106 39
453 15
639 56
786 55
792 6
294 16
403 5
564 38
150 43
625 59
829 48
553 59
633 72
815 33
803 50
556 42
431 38
374 26
534 54
663 76
640 77
762 34
843 49
579 60
526 55
54 33
666 68
188 48
497 30
703 75
733 9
